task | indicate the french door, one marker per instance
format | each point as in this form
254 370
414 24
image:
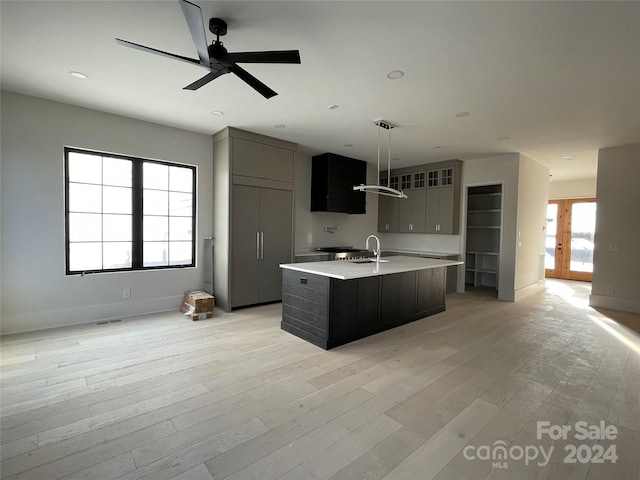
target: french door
570 231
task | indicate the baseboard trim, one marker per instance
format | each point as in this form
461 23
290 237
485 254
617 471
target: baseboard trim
33 321
529 289
624 304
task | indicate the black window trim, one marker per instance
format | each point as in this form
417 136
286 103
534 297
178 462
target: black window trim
137 236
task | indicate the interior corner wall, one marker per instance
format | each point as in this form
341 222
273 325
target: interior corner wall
616 256
498 169
309 226
533 195
36 293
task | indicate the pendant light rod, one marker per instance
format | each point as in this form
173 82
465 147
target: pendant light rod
381 189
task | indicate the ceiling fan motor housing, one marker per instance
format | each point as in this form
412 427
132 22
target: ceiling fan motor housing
217 26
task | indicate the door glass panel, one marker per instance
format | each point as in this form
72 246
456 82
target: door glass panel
552 228
583 226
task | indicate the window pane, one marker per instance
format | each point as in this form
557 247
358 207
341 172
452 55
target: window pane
180 253
85 256
155 228
155 254
117 255
155 202
181 179
116 200
116 171
116 228
180 204
155 176
85 168
85 198
583 227
179 228
85 227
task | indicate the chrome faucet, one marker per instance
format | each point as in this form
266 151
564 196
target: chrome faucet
375 251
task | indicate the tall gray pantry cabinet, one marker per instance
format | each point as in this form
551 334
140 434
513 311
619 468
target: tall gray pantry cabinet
261 232
253 216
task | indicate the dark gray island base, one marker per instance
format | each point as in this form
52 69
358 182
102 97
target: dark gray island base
329 312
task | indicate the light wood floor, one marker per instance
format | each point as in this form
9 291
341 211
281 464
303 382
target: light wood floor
162 397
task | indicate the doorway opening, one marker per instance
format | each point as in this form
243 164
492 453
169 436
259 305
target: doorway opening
571 227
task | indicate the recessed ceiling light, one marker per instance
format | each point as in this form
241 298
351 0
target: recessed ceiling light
333 106
78 75
462 114
502 139
567 157
280 125
395 74
217 113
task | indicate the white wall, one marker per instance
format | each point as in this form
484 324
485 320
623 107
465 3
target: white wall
533 194
499 169
309 226
616 257
583 188
36 293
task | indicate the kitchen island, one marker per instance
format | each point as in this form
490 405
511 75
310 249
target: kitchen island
336 302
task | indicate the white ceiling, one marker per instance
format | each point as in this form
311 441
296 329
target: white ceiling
557 78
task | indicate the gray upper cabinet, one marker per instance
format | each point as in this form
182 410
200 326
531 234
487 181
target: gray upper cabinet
259 160
411 217
388 210
443 199
433 199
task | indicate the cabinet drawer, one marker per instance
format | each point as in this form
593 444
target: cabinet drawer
308 280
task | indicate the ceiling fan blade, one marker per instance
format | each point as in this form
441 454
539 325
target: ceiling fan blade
157 52
277 56
252 81
204 80
193 16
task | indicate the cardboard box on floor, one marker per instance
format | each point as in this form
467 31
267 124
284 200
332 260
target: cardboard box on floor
197 305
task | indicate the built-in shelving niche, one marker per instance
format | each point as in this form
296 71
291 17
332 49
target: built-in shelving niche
484 214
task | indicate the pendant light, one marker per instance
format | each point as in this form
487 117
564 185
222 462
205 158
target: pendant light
382 189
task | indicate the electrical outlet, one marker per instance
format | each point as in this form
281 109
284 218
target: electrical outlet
609 290
613 247
126 293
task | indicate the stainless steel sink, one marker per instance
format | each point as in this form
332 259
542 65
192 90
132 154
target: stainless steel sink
366 260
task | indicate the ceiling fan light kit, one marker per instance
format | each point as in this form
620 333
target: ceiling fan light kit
379 189
215 57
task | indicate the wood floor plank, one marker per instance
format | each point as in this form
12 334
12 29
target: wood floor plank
430 458
162 397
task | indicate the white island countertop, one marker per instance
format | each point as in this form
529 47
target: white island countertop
348 269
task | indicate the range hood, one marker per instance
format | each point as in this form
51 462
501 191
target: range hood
382 189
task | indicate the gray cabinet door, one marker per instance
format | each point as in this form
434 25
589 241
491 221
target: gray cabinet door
245 237
411 218
446 210
432 209
252 159
276 233
388 208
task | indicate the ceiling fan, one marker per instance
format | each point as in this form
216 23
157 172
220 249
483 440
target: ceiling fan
215 57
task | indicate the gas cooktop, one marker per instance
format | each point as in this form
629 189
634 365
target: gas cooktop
337 249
